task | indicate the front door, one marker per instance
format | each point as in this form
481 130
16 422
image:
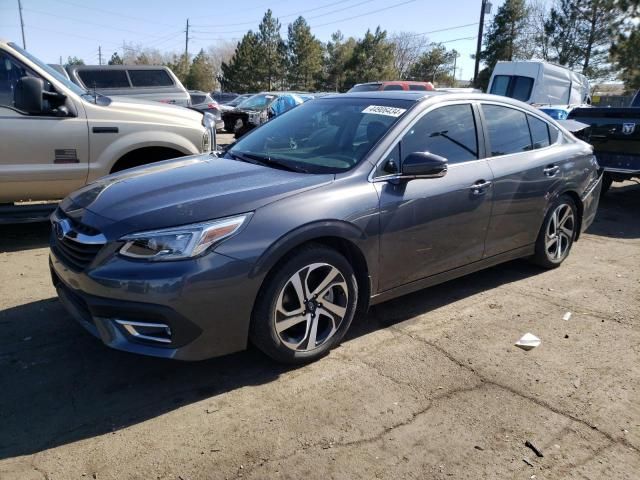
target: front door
432 225
44 156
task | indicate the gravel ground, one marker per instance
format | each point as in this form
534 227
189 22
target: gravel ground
428 386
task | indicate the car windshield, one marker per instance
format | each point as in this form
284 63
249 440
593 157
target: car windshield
51 71
328 135
257 102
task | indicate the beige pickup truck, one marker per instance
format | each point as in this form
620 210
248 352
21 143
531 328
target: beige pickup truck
56 136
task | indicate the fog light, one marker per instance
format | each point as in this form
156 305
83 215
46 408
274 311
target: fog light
153 332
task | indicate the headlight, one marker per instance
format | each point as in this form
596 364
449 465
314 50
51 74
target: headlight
206 141
181 242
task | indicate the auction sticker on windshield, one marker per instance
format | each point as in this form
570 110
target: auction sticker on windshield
381 110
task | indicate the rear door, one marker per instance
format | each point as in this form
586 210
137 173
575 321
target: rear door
526 171
44 156
431 225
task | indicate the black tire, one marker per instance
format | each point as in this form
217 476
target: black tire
546 250
278 289
607 180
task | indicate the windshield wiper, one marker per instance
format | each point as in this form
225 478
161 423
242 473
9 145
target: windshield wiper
269 161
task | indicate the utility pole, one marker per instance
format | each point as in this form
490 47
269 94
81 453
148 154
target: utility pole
99 55
455 60
186 43
61 60
24 42
483 10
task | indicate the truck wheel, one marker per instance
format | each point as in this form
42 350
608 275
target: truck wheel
607 180
557 233
306 306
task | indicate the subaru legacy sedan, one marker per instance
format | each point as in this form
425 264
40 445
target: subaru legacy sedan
341 203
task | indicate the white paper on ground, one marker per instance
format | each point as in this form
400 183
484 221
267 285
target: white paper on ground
528 341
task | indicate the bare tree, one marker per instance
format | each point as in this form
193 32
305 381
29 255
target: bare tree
219 53
407 49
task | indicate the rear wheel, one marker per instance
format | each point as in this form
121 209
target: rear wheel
557 233
305 306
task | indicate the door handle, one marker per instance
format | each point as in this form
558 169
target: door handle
551 170
480 187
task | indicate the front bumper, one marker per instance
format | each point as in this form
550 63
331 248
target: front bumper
205 303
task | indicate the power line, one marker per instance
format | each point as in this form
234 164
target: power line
117 14
364 14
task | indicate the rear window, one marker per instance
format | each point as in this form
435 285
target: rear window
366 87
417 87
104 78
513 86
195 99
393 87
150 78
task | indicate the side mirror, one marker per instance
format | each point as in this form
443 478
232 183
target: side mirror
27 95
424 165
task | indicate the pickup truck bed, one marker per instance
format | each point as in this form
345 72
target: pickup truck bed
615 136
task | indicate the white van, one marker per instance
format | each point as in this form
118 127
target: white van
538 82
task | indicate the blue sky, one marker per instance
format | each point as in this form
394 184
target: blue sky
55 28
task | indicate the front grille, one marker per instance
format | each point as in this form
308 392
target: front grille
76 244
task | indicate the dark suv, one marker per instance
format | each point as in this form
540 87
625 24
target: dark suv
343 202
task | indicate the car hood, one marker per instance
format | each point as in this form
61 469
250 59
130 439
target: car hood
183 191
152 111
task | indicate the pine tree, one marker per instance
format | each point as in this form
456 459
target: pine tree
338 54
201 73
434 65
240 73
272 52
372 59
304 56
115 59
506 38
74 61
625 52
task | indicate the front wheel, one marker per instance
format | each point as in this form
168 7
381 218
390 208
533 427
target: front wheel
557 233
306 306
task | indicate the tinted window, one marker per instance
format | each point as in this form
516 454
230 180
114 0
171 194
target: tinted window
366 87
553 134
508 130
417 87
104 78
539 132
513 86
150 78
195 99
500 85
448 131
10 72
393 87
521 89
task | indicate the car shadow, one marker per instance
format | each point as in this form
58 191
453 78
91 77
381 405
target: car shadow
618 214
24 236
61 385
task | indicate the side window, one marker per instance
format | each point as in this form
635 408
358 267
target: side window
104 78
392 87
10 72
150 78
500 85
508 130
414 86
553 134
391 164
539 132
448 131
521 89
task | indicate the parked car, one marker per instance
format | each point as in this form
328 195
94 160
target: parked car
615 136
203 102
538 82
224 107
344 202
391 85
224 97
257 110
148 82
57 136
559 112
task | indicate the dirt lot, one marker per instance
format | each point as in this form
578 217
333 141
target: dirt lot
429 386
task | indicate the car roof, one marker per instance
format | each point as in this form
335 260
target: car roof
415 95
117 67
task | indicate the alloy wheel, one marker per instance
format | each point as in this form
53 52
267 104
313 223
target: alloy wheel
560 232
311 307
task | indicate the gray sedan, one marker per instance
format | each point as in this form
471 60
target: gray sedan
343 202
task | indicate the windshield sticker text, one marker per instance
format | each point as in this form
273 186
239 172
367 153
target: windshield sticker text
381 110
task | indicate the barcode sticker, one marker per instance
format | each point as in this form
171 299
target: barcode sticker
381 110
